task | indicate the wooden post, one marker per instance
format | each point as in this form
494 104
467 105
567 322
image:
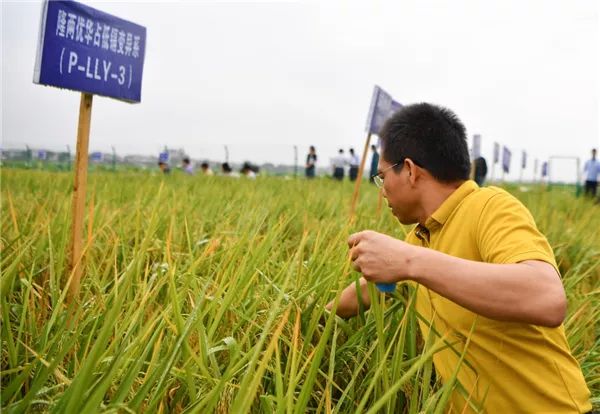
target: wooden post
360 176
79 189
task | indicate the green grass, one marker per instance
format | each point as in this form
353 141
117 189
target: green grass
207 294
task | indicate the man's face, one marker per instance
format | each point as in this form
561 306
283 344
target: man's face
398 191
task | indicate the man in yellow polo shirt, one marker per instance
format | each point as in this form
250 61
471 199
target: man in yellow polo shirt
486 277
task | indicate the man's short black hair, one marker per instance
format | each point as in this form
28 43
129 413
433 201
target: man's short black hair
430 135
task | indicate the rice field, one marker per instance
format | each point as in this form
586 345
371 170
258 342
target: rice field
205 295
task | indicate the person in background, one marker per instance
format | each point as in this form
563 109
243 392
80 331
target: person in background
249 171
205 168
480 170
187 166
227 171
164 167
485 278
338 162
374 163
311 161
354 165
591 171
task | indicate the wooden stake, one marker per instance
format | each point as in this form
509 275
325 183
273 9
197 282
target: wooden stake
79 188
360 176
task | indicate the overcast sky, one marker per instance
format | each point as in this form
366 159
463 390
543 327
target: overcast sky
262 77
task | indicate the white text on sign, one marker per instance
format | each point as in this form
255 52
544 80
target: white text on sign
96 68
89 32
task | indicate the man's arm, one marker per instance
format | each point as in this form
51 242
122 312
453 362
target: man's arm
526 292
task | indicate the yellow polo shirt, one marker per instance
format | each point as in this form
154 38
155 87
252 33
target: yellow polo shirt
511 367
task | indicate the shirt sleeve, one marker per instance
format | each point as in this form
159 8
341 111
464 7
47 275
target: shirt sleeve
506 233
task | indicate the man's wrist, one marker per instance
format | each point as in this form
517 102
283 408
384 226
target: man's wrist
413 261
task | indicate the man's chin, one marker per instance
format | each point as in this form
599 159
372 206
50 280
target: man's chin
405 220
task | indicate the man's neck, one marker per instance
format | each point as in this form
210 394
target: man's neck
434 197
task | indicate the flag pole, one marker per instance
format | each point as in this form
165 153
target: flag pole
360 176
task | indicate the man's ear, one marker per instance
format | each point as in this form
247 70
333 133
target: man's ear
412 169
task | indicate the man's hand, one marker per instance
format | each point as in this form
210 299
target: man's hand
348 305
381 258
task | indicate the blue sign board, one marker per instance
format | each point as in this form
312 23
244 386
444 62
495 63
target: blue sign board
506 155
85 49
96 156
379 111
394 106
163 157
42 155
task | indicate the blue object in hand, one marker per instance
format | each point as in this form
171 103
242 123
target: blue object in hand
386 287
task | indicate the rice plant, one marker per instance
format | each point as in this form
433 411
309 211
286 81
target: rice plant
205 294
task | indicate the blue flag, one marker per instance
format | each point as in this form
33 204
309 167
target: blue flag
545 169
379 111
506 154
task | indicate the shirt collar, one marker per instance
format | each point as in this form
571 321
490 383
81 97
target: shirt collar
449 205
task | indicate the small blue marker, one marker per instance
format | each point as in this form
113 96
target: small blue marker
386 287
